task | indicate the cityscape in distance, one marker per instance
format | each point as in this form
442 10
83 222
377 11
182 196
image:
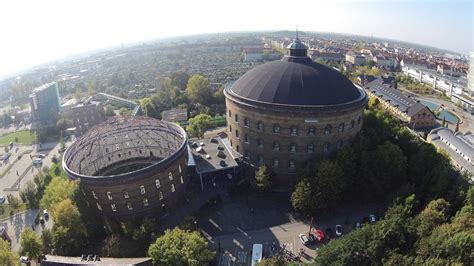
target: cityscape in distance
301 145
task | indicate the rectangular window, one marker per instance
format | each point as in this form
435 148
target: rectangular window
114 208
142 190
145 202
125 194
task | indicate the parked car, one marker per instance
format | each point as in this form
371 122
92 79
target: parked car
24 259
372 218
304 239
45 214
41 220
37 162
42 155
339 230
61 150
2 199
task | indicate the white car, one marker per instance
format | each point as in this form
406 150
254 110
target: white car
24 259
304 239
2 199
45 214
339 230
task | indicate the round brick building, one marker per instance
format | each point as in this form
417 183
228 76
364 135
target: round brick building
285 113
130 165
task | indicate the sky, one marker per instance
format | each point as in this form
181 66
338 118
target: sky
34 32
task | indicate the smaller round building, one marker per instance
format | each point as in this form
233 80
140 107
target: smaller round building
130 165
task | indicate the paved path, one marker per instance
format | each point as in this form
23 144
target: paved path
235 249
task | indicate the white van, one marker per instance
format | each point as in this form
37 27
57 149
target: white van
257 255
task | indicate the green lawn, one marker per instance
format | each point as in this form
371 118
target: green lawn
24 137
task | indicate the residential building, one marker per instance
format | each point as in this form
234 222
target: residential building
355 58
409 110
85 116
45 104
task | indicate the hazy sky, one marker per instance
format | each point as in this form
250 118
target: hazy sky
34 32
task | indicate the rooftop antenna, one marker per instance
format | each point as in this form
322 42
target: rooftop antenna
296 32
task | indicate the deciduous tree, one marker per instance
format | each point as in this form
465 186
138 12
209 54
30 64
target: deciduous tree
199 90
179 247
31 244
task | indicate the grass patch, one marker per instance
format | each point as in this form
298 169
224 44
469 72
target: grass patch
24 137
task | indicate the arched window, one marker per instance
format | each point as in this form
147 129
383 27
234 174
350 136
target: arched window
276 128
94 195
181 179
276 146
247 138
237 133
157 183
113 207
293 147
142 189
311 131
230 113
161 195
172 188
125 194
291 164
326 147
179 168
260 143
145 202
260 125
236 118
237 148
99 207
352 124
129 206
294 131
359 120
327 130
246 122
170 176
310 148
341 127
230 128
109 195
276 163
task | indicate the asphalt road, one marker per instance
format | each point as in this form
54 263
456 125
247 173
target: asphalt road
236 249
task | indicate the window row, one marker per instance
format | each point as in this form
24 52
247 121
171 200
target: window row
145 203
293 147
142 189
295 131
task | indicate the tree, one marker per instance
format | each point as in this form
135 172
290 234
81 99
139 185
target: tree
31 244
219 97
29 195
63 124
58 189
47 239
329 185
198 125
124 111
180 247
199 90
302 197
179 79
148 107
434 214
263 177
68 230
273 261
109 110
7 257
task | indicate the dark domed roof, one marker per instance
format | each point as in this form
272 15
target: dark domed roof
296 81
